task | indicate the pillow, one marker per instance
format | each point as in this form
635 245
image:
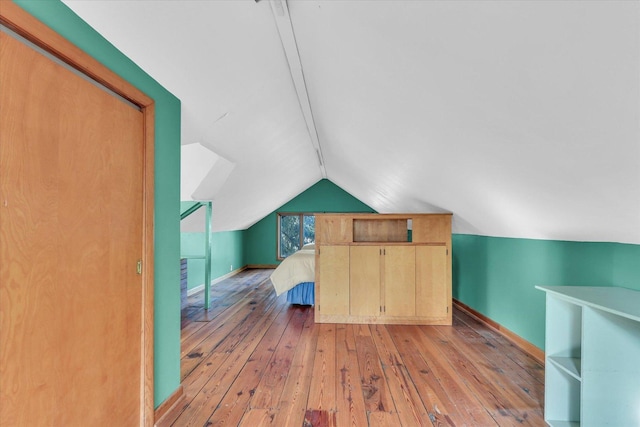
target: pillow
310 246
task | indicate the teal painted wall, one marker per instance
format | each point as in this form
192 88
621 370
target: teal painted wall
626 266
324 196
226 251
167 184
497 276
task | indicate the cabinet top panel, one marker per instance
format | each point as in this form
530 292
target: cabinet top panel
382 216
620 301
362 227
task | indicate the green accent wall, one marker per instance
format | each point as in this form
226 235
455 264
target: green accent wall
497 276
226 253
167 184
260 240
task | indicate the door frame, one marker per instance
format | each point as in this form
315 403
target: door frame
18 20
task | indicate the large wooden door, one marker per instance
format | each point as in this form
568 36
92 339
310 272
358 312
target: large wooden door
72 232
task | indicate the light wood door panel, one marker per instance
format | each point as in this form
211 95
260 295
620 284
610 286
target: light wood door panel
333 275
333 229
432 229
365 281
431 281
399 280
71 215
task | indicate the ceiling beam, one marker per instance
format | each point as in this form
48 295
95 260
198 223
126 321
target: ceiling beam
288 39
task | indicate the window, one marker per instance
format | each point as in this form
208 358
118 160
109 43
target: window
294 231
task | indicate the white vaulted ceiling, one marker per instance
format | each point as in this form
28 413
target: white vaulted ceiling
520 117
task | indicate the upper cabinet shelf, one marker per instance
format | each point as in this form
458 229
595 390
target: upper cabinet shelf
384 228
381 230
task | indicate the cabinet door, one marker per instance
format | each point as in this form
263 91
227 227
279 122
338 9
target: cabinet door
399 280
331 229
365 281
431 281
333 280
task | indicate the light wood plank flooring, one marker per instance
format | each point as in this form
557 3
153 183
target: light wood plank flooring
254 360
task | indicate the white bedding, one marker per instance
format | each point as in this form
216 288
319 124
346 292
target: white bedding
297 268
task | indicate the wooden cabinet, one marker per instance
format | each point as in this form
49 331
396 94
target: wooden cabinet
369 269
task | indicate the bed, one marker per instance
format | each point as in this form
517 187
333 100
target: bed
296 276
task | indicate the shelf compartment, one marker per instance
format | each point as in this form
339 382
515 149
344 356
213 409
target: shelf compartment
562 395
380 230
563 373
570 365
563 328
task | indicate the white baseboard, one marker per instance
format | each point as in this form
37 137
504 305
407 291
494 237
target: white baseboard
200 288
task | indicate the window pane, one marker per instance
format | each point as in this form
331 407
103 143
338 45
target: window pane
309 229
289 234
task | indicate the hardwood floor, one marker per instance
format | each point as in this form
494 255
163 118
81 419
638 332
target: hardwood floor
254 360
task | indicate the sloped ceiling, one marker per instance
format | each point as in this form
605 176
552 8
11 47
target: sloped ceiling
520 117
